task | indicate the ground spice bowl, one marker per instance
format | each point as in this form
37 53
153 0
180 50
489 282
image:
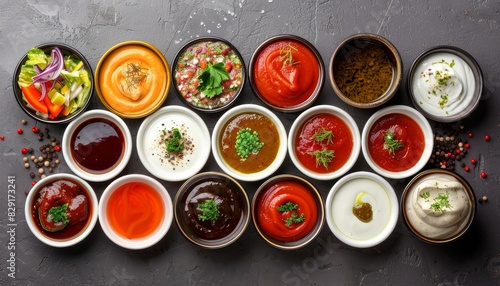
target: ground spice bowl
360 42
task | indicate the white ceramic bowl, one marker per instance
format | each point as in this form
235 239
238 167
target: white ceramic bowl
374 190
306 116
34 225
217 132
420 120
84 119
152 152
150 239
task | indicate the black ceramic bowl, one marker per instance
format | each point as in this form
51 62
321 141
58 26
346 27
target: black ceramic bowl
193 58
66 50
209 191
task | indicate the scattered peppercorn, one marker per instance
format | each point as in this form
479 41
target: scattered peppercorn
487 137
485 198
470 135
19 131
483 175
2 138
467 169
33 183
23 122
473 161
467 145
35 129
57 148
24 150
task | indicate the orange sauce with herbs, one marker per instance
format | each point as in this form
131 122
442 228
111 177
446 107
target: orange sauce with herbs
135 210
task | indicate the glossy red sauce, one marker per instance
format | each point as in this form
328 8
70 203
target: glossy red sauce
286 83
272 221
58 193
341 144
407 131
97 145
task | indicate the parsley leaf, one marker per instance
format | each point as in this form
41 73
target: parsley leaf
174 142
211 79
289 206
59 214
391 143
209 210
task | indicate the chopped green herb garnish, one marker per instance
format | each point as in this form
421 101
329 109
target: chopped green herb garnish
209 210
247 141
59 214
211 79
289 206
323 157
174 143
441 202
322 134
391 143
286 55
425 195
294 218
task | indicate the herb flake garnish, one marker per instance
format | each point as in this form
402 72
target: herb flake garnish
391 143
247 141
174 143
211 79
289 206
209 209
59 214
286 55
294 217
323 157
441 202
323 134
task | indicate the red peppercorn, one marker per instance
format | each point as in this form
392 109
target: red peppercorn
457 151
2 137
33 183
19 131
57 148
35 129
470 135
449 154
483 175
24 150
487 137
473 161
466 169
467 145
444 163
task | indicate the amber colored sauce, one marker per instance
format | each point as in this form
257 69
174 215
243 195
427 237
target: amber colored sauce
135 210
97 145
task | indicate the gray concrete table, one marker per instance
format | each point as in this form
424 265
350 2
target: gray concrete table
94 26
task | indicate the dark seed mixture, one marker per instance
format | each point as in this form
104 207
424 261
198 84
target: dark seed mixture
449 146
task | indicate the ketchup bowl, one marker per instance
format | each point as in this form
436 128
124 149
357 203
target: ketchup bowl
136 211
212 210
287 73
287 211
97 145
61 210
397 141
324 142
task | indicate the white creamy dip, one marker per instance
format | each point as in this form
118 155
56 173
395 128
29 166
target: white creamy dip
369 191
443 84
438 206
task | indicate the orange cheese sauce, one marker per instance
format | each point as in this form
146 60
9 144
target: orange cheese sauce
132 79
135 210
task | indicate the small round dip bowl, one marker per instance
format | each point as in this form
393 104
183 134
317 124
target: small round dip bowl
366 70
438 206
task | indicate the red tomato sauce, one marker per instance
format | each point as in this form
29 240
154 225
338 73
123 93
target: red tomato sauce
407 131
286 73
341 142
273 222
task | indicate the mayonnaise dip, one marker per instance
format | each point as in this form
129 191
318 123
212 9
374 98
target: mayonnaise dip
438 206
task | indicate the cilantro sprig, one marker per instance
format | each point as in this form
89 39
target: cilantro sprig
391 143
209 209
174 143
211 79
59 214
323 134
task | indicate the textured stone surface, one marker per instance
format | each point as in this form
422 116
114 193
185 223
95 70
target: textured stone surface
94 26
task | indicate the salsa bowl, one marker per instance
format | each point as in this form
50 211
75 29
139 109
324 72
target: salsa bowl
397 141
212 210
61 210
249 142
324 142
208 74
53 83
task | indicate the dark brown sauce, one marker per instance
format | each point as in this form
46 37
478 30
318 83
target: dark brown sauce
97 145
229 203
78 222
